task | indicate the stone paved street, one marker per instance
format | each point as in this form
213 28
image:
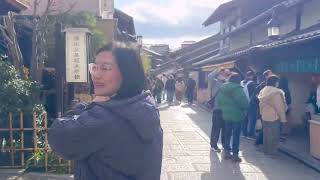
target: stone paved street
187 153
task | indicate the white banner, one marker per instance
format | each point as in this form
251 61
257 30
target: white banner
76 56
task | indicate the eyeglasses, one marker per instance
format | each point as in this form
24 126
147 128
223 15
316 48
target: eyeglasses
103 68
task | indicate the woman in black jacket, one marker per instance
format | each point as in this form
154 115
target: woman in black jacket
118 136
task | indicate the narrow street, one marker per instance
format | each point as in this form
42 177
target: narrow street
187 153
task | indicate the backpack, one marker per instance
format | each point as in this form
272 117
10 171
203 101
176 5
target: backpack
245 88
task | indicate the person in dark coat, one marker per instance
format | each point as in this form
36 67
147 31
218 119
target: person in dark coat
284 86
171 89
118 136
191 85
249 124
233 103
215 81
157 91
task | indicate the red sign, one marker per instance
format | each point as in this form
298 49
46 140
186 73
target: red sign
21 4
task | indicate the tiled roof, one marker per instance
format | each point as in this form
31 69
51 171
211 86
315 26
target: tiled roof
196 52
250 9
305 35
5 7
152 52
203 56
266 15
220 12
221 57
125 22
200 44
293 39
214 46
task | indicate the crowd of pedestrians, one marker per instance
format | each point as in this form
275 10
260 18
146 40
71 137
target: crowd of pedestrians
172 89
240 104
250 105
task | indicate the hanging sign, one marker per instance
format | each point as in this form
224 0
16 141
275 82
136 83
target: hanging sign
76 55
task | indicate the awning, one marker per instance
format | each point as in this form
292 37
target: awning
216 67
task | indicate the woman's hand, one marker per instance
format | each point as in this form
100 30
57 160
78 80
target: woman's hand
101 99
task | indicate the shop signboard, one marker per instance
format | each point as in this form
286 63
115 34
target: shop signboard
76 55
299 65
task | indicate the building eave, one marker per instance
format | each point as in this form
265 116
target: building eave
304 36
292 40
197 45
21 4
127 18
152 52
266 15
223 57
193 54
219 13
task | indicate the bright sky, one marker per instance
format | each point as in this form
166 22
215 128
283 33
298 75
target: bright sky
170 21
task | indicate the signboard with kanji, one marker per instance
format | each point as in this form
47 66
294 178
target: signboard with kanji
76 55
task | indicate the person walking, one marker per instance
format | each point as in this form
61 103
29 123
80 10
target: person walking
170 88
273 112
234 103
255 102
191 85
215 81
118 136
164 81
249 85
158 90
180 89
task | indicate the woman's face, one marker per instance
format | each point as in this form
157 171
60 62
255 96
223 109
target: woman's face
106 75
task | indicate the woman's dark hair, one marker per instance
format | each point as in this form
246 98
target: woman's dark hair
235 78
283 83
179 79
130 65
266 73
250 74
273 80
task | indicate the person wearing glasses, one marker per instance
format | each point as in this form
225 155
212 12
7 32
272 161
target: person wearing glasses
118 136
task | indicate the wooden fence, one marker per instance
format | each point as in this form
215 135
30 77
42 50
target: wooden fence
40 132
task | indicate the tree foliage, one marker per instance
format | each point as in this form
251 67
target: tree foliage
10 37
16 93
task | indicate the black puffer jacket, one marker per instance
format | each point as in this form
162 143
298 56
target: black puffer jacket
115 140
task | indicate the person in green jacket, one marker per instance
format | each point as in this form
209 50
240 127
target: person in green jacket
233 102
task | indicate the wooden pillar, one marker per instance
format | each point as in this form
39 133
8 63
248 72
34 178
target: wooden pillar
59 66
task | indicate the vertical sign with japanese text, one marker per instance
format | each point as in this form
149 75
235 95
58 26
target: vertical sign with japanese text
76 56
